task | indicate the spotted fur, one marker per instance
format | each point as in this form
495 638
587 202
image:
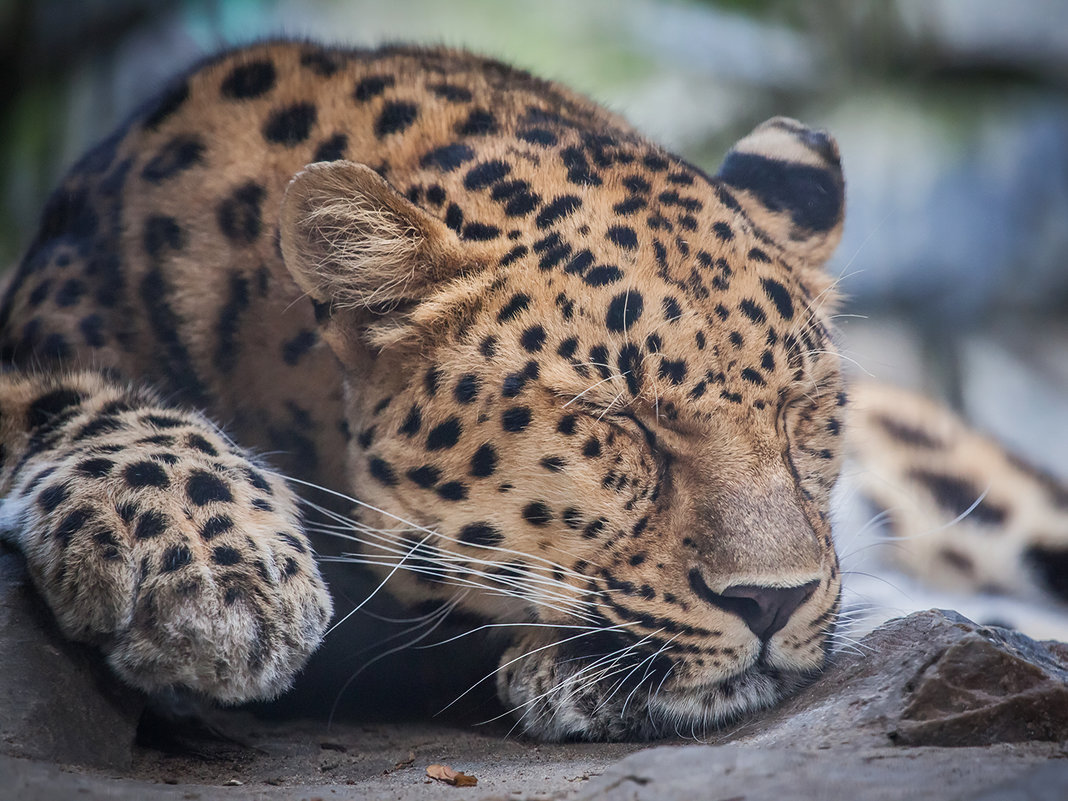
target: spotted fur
580 382
964 515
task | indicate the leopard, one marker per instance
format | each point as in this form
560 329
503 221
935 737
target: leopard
949 515
558 379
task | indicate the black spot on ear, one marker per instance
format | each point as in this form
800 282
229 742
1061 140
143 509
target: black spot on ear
319 62
396 117
624 310
70 293
249 80
538 136
811 195
578 167
199 443
290 125
481 534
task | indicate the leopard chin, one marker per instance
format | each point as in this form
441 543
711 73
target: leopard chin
560 705
561 697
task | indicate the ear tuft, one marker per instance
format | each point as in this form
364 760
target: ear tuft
788 178
350 240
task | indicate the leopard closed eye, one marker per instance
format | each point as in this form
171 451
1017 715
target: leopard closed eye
575 382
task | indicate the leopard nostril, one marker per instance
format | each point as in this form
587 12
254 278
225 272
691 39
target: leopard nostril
765 610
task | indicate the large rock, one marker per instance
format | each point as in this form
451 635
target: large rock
934 707
933 678
57 701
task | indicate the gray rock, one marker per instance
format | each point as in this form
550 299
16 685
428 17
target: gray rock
57 701
937 707
933 679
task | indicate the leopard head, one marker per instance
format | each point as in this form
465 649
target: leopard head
614 426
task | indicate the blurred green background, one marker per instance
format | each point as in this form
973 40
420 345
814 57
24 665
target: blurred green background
952 116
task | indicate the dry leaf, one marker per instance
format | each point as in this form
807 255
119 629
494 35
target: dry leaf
443 773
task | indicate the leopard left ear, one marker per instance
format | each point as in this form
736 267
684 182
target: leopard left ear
379 269
351 241
788 179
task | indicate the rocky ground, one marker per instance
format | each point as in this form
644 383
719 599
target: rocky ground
931 706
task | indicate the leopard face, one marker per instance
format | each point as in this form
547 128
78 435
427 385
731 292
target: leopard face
617 423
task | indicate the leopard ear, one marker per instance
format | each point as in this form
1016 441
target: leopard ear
788 179
351 241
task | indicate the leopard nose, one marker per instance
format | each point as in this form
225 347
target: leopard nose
765 610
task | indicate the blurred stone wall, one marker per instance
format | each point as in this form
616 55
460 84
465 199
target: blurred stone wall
952 116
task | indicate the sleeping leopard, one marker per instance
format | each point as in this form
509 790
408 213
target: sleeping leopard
557 378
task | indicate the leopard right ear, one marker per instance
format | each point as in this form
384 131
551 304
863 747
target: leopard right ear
788 179
352 242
